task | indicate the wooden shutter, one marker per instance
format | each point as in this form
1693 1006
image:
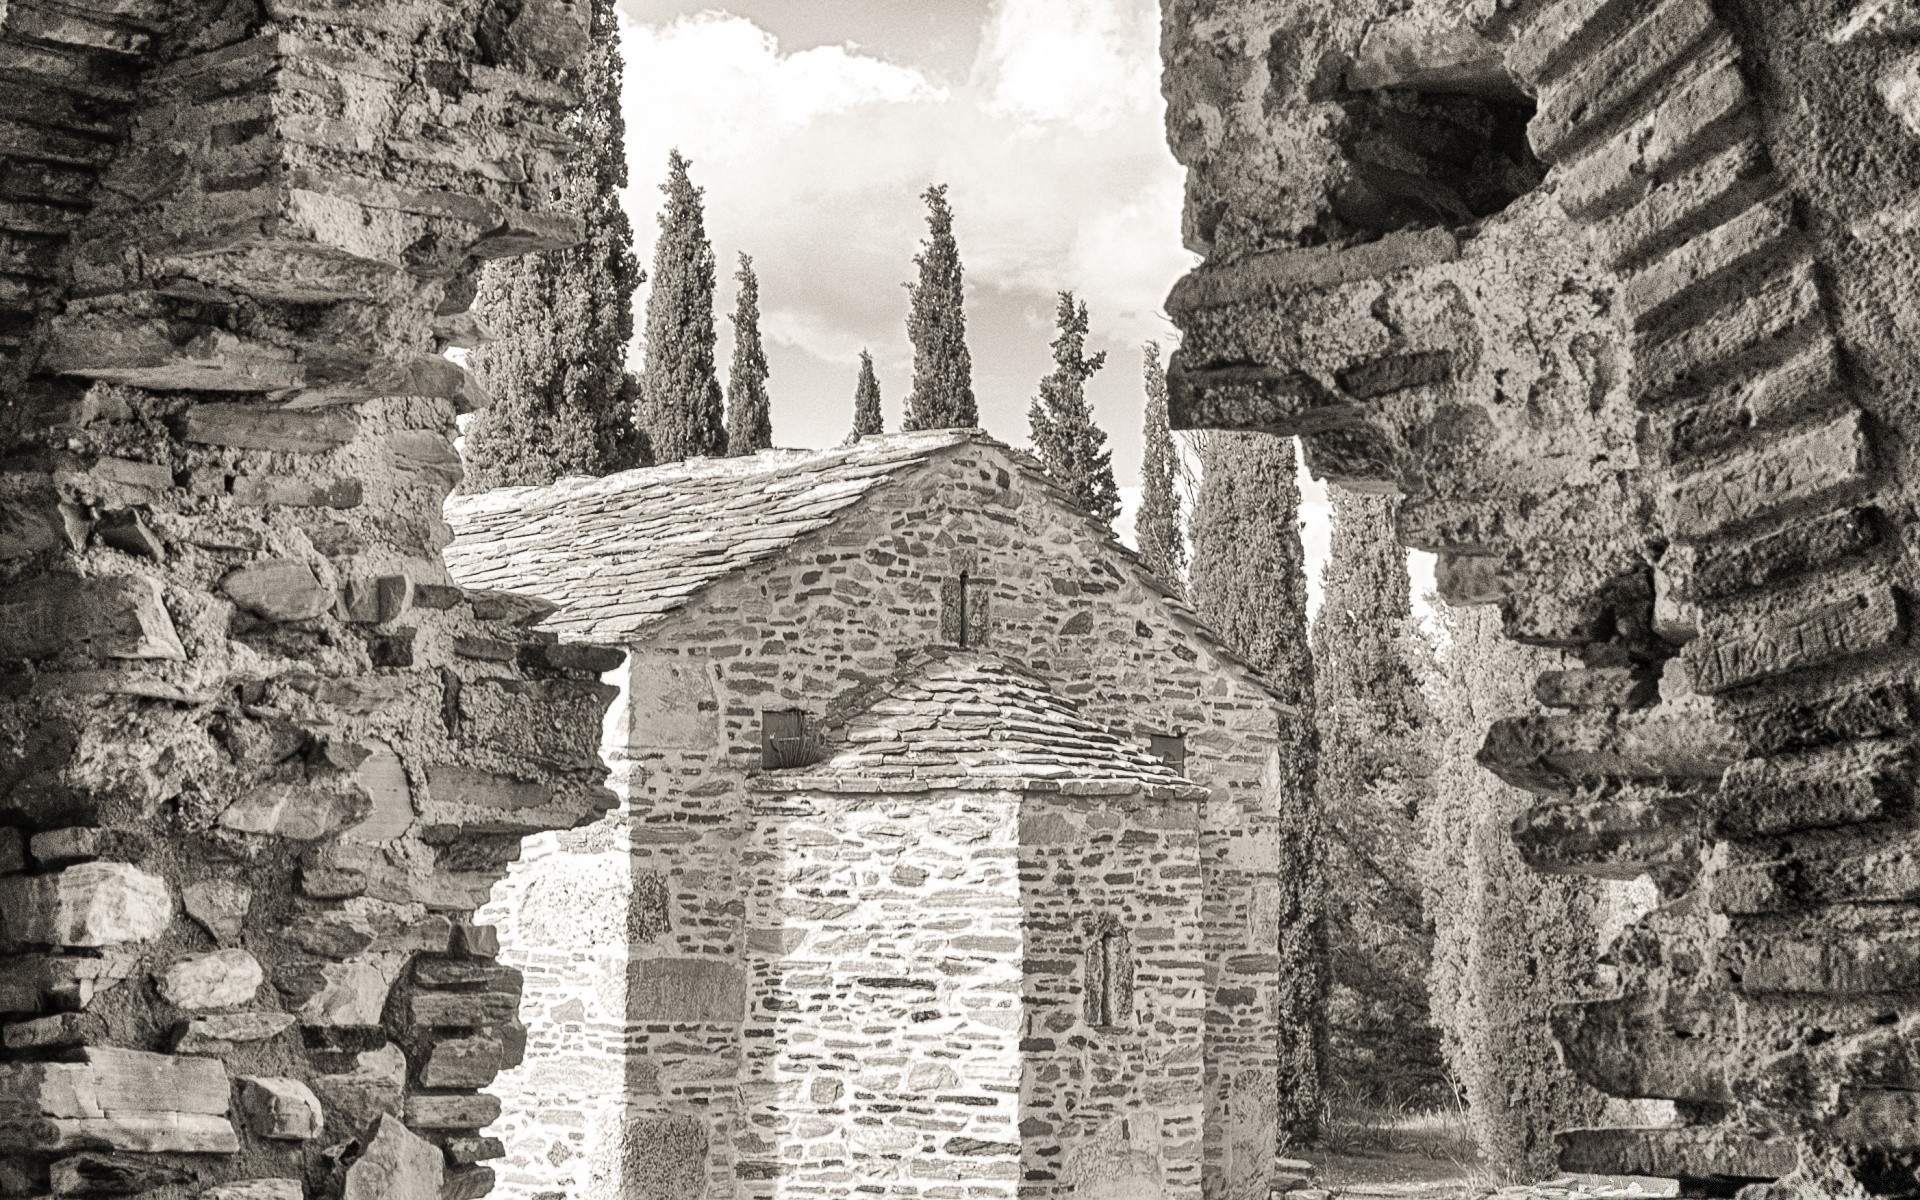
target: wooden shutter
783 739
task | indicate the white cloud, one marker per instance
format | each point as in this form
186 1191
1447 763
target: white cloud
813 162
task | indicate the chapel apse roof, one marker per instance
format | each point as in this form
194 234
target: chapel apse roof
619 554
965 719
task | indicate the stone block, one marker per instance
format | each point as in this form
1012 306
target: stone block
455 784
257 1189
129 532
398 1165
114 1174
220 905
375 599
458 1111
109 616
685 991
259 427
1795 469
296 493
92 904
1728 657
279 1108
347 995
295 811
222 1033
278 589
80 843
467 1062
222 979
1675 1153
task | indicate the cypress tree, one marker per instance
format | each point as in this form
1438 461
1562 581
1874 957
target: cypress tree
1248 581
1071 447
1156 529
866 401
749 411
937 325
680 407
563 319
1374 780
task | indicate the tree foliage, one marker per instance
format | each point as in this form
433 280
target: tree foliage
937 325
562 397
1509 944
1374 780
749 409
1157 529
866 401
680 407
1072 448
1248 581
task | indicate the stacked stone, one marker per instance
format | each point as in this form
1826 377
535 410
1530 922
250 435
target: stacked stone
259 758
1732 578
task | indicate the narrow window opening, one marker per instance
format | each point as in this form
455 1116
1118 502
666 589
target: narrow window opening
963 610
783 739
1109 974
964 631
1171 749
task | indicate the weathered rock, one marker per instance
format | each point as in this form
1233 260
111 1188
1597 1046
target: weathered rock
222 979
257 1189
259 427
336 995
295 811
92 904
58 1031
279 1108
279 590
221 1033
114 1174
397 1165
220 905
113 616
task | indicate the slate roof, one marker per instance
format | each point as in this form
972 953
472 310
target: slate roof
973 720
620 553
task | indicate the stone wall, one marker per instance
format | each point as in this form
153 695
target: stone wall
840 613
1644 383
259 759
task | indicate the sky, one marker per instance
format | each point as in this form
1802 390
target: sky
814 125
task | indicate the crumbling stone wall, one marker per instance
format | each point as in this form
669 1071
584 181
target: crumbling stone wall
259 758
1655 408
834 618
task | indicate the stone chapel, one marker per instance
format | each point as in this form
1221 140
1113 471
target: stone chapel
953 855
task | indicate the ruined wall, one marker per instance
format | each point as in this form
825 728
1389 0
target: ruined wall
1644 382
858 597
259 759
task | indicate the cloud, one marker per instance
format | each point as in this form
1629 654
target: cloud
813 162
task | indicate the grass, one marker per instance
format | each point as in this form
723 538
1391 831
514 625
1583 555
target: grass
1363 1144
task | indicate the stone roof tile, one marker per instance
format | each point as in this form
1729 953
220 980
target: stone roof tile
622 552
995 723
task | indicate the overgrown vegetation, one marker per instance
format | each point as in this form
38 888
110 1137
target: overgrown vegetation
1508 943
561 321
1375 777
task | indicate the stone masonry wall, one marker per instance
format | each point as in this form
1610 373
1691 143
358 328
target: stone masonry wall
1655 406
884 1016
852 602
1114 1110
259 759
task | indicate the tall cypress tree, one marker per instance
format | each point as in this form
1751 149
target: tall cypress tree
680 408
749 411
1163 545
563 319
1374 781
866 401
937 324
1248 581
1071 447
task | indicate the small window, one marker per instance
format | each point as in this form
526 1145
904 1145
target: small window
783 739
963 611
1109 973
1171 749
